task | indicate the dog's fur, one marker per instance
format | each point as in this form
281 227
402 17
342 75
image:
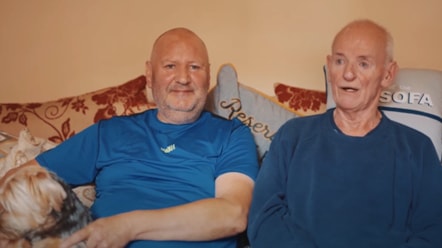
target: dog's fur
37 209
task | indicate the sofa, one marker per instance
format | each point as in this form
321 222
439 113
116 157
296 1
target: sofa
27 129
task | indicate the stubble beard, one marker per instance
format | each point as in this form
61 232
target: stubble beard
182 112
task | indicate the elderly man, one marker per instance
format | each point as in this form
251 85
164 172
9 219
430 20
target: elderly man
350 177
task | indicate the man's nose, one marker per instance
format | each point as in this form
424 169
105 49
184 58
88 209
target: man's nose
183 75
349 72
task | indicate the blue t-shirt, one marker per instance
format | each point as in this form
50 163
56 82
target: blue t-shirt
138 162
318 187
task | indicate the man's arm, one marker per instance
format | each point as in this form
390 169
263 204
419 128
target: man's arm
270 221
426 210
207 219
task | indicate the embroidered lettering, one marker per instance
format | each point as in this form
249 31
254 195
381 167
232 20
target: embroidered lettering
235 109
168 149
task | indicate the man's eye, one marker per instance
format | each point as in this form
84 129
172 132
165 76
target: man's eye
169 66
364 64
195 67
339 61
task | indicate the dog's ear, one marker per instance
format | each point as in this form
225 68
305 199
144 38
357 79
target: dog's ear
48 190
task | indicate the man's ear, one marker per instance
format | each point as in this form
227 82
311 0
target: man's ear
149 74
208 73
390 74
327 67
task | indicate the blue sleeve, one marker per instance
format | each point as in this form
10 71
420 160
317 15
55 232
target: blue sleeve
426 210
270 223
74 160
240 153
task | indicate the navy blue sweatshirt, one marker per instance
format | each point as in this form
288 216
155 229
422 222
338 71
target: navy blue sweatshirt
318 187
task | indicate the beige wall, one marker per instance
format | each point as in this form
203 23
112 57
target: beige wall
55 48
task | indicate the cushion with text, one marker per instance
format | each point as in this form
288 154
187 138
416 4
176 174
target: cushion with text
260 112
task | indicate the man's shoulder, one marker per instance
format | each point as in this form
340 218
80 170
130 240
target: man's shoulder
123 123
224 125
221 120
127 118
311 121
409 137
406 131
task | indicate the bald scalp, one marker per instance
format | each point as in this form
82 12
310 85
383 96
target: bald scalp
178 35
372 28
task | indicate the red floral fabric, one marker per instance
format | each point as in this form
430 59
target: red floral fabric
301 101
60 119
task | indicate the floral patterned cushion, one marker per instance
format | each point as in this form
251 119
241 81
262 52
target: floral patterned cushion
300 100
86 194
60 119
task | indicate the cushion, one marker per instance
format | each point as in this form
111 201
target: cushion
86 194
415 100
302 101
15 151
60 119
7 142
262 113
18 151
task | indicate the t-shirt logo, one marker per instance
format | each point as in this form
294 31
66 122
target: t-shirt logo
168 149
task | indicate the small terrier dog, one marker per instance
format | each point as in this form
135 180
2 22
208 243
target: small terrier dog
38 209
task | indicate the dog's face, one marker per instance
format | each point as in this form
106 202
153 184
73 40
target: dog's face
28 196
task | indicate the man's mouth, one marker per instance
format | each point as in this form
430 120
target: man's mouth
349 89
181 92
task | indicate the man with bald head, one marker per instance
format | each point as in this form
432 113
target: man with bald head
174 176
172 99
350 177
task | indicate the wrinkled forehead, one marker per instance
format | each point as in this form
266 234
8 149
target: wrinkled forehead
360 41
